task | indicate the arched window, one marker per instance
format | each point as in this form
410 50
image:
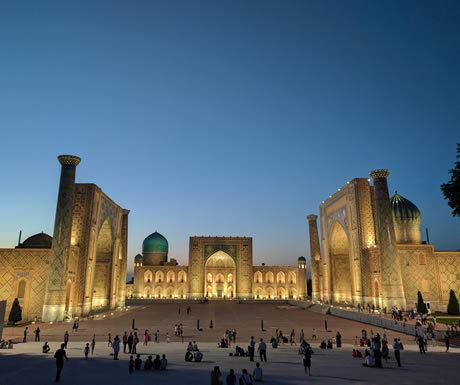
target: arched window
230 278
292 278
280 277
209 278
258 277
159 276
170 277
269 277
220 278
182 276
148 276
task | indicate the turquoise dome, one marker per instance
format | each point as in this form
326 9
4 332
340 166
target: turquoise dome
155 243
403 209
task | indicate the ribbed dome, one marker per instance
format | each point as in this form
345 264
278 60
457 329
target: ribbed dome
301 259
37 241
404 209
138 258
155 243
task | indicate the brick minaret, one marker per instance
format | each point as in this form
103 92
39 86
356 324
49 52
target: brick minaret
390 267
55 298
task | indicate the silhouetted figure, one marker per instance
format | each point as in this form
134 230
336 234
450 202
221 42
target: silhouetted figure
60 355
138 362
131 365
37 334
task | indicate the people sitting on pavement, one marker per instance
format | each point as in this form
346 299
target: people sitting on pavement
198 356
222 344
45 348
329 344
188 356
274 342
368 359
322 345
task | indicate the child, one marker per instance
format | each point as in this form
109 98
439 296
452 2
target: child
86 351
131 364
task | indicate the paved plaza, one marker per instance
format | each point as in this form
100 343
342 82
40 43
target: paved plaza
26 362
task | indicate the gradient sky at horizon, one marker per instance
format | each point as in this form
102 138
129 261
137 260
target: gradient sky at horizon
227 117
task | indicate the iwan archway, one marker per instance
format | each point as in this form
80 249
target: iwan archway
220 276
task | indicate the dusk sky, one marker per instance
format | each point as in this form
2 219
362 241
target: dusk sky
227 117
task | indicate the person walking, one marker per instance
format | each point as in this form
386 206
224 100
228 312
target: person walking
338 339
109 340
307 359
26 331
125 341
397 351
421 344
37 334
93 344
325 324
116 347
301 336
135 342
262 349
60 355
251 348
66 339
292 338
146 337
130 342
447 341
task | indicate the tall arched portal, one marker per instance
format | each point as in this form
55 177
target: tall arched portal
103 269
341 276
220 268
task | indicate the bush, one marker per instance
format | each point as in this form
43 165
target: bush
421 305
452 307
15 312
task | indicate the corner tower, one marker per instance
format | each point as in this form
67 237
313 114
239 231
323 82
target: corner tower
55 297
390 267
315 257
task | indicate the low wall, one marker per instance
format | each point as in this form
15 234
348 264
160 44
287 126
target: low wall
2 316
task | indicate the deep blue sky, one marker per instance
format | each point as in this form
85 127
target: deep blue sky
227 118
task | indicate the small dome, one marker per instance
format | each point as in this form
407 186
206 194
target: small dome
138 258
155 243
37 241
301 259
403 209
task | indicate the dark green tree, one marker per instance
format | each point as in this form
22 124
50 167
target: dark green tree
452 307
15 312
451 189
421 305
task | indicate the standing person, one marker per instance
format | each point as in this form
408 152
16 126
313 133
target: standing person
93 344
116 347
125 341
262 349
307 359
37 334
163 362
86 351
301 336
215 376
131 365
135 342
325 324
60 355
421 344
251 347
292 337
397 351
447 341
138 362
130 342
146 337
231 378
168 339
313 334
338 339
26 331
109 340
66 339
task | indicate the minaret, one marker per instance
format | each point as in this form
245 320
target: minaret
55 298
390 267
315 261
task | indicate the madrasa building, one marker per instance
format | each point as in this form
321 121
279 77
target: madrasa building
370 250
219 268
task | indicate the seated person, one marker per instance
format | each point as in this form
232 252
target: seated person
10 344
188 356
368 359
257 373
353 353
3 344
45 348
222 344
239 351
358 354
322 345
329 344
198 356
195 346
163 363
148 365
189 347
274 342
157 363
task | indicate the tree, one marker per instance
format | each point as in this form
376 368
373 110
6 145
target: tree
452 307
421 305
15 312
451 189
